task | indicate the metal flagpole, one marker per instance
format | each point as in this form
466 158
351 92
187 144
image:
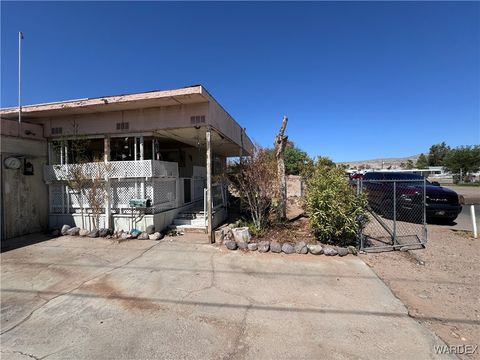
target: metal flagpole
20 38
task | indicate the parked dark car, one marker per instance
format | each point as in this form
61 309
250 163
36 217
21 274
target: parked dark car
440 203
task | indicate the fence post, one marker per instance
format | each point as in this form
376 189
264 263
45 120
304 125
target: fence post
474 221
425 234
394 240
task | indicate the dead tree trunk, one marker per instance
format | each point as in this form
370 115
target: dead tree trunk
280 143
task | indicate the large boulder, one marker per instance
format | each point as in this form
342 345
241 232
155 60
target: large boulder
74 231
252 246
275 247
329 251
301 247
64 230
94 233
342 251
156 236
83 232
241 234
288 248
143 236
231 245
315 249
263 246
150 229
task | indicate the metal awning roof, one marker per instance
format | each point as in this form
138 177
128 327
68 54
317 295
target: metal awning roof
187 95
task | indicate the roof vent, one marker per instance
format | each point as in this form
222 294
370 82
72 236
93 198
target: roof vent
198 119
57 131
123 126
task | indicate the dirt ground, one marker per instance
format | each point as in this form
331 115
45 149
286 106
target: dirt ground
444 292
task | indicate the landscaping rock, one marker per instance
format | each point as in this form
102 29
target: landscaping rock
275 247
83 232
73 231
125 236
315 249
55 232
252 246
242 245
241 234
135 233
231 245
156 236
330 251
352 250
228 235
150 229
143 236
301 247
342 251
64 230
288 248
263 246
104 232
219 235
93 234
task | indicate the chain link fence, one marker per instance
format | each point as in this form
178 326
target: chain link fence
396 214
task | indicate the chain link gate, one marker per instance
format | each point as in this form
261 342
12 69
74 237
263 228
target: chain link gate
396 214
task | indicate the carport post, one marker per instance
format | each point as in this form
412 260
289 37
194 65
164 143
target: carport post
106 157
209 185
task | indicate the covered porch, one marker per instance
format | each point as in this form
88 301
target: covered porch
179 171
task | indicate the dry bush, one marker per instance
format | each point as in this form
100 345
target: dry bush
255 181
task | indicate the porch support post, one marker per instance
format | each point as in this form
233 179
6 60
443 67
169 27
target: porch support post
106 157
209 186
142 184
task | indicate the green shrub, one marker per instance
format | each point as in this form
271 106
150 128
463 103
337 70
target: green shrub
333 206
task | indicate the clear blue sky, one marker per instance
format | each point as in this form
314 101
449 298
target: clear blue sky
357 80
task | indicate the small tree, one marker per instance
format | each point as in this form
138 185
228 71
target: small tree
463 159
255 181
335 210
96 191
422 162
437 154
296 160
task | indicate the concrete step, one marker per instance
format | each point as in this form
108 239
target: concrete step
190 228
193 222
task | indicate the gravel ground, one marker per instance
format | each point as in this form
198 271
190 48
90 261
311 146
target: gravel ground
444 293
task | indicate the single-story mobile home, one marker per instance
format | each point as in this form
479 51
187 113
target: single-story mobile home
159 156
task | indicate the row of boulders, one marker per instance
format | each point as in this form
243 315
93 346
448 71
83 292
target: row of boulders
148 234
289 248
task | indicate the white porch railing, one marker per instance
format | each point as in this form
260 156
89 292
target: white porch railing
114 170
161 191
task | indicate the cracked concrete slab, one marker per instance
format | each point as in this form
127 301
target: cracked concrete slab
81 298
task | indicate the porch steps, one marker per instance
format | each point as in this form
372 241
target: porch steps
190 220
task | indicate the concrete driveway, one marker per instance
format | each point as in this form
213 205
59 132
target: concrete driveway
80 298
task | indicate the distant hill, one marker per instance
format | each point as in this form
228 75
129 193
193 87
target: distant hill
382 162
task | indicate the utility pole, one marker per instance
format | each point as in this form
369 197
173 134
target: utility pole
20 38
